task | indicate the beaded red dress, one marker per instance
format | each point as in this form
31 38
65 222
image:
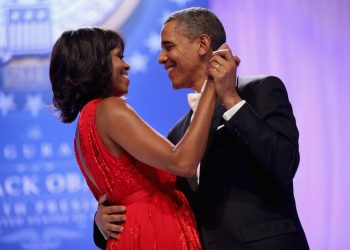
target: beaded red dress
158 215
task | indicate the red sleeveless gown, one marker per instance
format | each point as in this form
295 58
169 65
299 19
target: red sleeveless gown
158 216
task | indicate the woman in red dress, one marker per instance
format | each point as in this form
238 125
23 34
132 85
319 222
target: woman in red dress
120 154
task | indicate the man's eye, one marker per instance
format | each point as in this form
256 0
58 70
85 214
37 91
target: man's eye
168 47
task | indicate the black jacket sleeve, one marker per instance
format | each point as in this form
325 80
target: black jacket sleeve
98 238
266 127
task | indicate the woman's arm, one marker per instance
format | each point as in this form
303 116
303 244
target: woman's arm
118 122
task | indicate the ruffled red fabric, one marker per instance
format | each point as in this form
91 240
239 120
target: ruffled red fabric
158 215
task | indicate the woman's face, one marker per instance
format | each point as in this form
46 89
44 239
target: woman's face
120 78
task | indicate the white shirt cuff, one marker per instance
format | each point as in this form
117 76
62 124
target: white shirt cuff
232 111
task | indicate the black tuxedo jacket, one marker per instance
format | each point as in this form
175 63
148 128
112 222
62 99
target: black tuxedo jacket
245 197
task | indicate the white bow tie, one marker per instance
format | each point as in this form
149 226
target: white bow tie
193 100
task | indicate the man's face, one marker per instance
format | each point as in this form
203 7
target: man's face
180 57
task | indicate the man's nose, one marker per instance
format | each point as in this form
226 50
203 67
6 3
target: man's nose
161 58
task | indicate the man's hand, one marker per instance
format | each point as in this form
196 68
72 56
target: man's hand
109 219
222 68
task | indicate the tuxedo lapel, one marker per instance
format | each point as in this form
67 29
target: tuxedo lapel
186 123
217 119
182 127
182 182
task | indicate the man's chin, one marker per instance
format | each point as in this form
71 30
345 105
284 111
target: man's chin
177 85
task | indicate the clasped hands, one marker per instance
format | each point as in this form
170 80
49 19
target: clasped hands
222 71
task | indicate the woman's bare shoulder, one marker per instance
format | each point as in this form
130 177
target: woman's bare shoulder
114 106
113 101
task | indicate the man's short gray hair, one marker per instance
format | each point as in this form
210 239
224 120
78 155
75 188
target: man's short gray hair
195 21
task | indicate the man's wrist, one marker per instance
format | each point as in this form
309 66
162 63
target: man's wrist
231 100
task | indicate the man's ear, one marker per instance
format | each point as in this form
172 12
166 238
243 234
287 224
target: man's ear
204 44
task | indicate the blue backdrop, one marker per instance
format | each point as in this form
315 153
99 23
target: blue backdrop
44 201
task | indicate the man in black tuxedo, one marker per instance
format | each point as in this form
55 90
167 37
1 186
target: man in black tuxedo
244 197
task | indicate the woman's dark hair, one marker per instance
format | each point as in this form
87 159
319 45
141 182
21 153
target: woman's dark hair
81 68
